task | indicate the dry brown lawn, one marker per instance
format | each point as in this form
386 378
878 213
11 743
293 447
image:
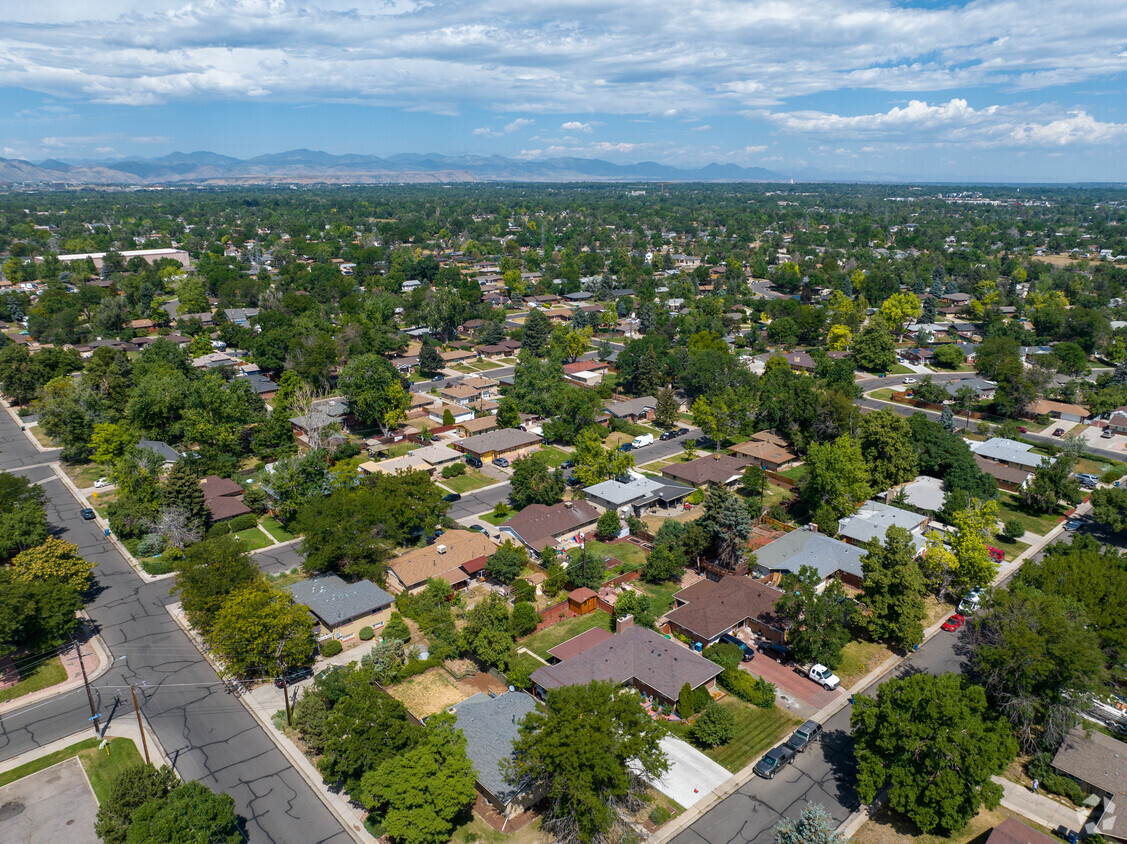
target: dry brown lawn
430 692
886 827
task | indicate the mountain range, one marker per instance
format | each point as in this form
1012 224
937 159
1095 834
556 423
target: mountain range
305 166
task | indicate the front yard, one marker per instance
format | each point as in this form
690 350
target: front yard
756 731
1010 507
554 456
542 642
252 539
886 827
276 530
467 482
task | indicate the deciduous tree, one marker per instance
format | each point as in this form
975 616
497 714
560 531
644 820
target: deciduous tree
837 476
886 445
55 559
252 623
816 617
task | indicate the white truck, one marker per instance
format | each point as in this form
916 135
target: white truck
642 439
824 677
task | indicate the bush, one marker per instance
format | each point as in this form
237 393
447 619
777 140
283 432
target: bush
524 619
218 529
702 698
695 497
331 648
637 526
243 522
724 654
1013 529
367 634
714 726
453 470
151 545
1110 477
1040 767
344 451
256 498
753 690
396 628
608 525
418 666
523 591
659 815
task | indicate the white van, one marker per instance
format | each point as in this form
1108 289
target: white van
643 439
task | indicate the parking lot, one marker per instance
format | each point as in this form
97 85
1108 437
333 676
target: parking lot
53 805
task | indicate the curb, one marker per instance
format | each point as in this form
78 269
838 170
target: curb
24 428
353 826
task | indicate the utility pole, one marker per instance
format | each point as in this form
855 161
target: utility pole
86 682
140 726
285 685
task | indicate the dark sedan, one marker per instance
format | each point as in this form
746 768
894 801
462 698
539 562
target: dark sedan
88 514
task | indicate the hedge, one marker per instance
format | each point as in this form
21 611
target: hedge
754 690
418 666
219 529
243 522
331 648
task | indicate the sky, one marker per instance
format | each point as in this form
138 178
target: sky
993 90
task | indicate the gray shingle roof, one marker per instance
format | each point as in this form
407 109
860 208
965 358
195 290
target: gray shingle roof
500 440
874 519
490 726
632 407
637 489
334 601
1009 451
799 548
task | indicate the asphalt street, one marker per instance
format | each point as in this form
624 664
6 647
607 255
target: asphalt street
207 733
279 559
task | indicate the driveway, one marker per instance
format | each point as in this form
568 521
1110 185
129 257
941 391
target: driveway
796 691
53 805
691 774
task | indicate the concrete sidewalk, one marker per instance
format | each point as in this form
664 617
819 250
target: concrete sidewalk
1040 808
95 655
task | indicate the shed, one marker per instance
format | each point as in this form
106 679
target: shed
582 600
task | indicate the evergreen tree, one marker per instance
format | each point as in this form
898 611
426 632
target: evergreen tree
947 420
668 408
894 590
647 318
536 333
182 489
429 361
647 377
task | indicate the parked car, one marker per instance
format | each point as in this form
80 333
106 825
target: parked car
804 736
954 622
1022 430
1087 479
87 513
911 381
568 464
682 431
473 461
774 761
503 462
780 653
294 675
451 498
745 649
626 447
477 528
668 435
1059 432
642 440
995 554
101 482
970 601
438 378
1107 433
824 677
1073 524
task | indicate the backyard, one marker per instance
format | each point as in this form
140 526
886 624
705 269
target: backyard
661 595
627 552
542 642
428 693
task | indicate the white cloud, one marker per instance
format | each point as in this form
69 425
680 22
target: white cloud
519 123
704 127
576 126
485 132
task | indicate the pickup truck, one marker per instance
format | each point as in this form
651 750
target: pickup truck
774 761
824 677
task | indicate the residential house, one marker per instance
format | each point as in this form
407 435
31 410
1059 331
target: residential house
1013 831
486 387
1117 420
980 388
162 449
1058 410
799 362
342 609
1009 452
924 493
770 456
503 442
491 725
540 526
321 414
637 657
240 316
143 326
437 455
833 559
409 462
223 498
457 356
637 493
589 373
477 425
437 413
709 610
1098 763
504 349
956 298
634 410
1008 477
459 393
710 469
871 522
458 558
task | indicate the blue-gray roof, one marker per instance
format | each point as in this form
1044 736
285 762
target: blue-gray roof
873 519
1009 451
799 548
163 450
490 727
334 601
637 489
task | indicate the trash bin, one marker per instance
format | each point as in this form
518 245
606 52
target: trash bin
107 532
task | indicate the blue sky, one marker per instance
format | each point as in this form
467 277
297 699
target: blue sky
1000 90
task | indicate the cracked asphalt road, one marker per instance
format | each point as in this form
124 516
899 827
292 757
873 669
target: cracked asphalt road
206 732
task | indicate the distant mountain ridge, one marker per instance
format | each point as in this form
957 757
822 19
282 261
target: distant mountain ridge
312 166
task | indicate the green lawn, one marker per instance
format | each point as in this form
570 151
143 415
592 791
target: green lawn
84 474
45 674
287 578
661 595
468 482
795 473
252 539
156 565
624 551
858 658
494 520
526 663
542 642
756 731
399 449
100 767
276 529
1013 548
776 494
1092 467
554 456
883 394
1009 507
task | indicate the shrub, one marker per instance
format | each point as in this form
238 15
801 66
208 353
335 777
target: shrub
418 666
753 690
702 698
331 648
396 628
523 590
218 529
243 522
695 497
344 451
637 526
1110 477
724 654
1013 529
1040 767
686 703
713 726
659 815
608 525
150 545
367 634
453 470
524 619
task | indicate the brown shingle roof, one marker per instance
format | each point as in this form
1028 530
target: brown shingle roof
462 546
710 469
578 644
1013 831
1000 471
539 524
714 607
760 450
1095 759
504 439
634 654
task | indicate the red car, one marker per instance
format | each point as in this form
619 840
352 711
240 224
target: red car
996 554
954 623
1022 430
1059 432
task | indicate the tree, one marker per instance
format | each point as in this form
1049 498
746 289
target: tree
590 747
900 308
950 356
586 570
208 573
837 477
110 442
507 562
135 786
1109 508
974 529
816 617
1052 483
839 338
713 727
534 482
535 333
686 703
23 518
1039 660
1013 529
608 525
421 792
947 420
253 623
375 394
508 414
646 377
664 564
182 489
893 590
886 445
668 408
488 633
176 526
35 615
1072 359
57 560
364 728
813 826
873 349
429 360
593 463
525 619
727 519
935 743
189 812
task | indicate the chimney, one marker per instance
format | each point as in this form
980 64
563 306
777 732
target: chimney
621 624
568 505
441 549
